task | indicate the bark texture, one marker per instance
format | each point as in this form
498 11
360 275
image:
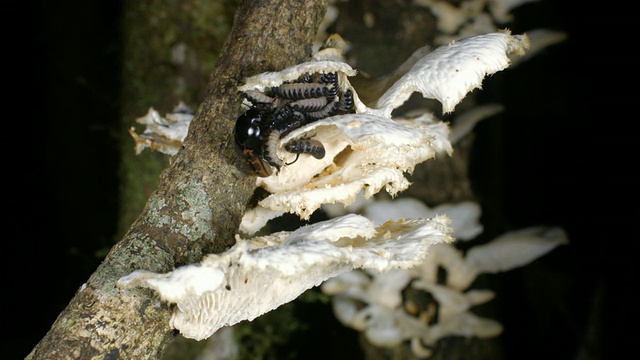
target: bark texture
169 49
198 204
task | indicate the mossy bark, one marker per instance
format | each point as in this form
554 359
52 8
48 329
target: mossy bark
169 50
199 201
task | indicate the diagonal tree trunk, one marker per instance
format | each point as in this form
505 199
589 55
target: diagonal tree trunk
199 201
168 52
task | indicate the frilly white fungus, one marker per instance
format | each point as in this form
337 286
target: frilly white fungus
371 302
164 134
257 275
465 216
449 72
365 152
370 150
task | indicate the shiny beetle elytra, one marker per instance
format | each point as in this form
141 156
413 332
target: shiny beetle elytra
279 110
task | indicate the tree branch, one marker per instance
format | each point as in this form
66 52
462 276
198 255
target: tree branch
198 205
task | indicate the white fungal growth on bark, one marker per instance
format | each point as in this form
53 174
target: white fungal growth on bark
370 150
164 134
373 303
449 72
257 275
365 152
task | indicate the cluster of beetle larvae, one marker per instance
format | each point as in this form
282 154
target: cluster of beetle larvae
281 109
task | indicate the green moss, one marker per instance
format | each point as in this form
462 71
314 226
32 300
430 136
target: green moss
153 77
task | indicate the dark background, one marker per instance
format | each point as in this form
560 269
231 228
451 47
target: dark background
551 159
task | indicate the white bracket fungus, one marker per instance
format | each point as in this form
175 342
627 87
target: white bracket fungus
507 252
370 150
515 249
163 134
362 152
257 275
387 320
464 216
449 72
